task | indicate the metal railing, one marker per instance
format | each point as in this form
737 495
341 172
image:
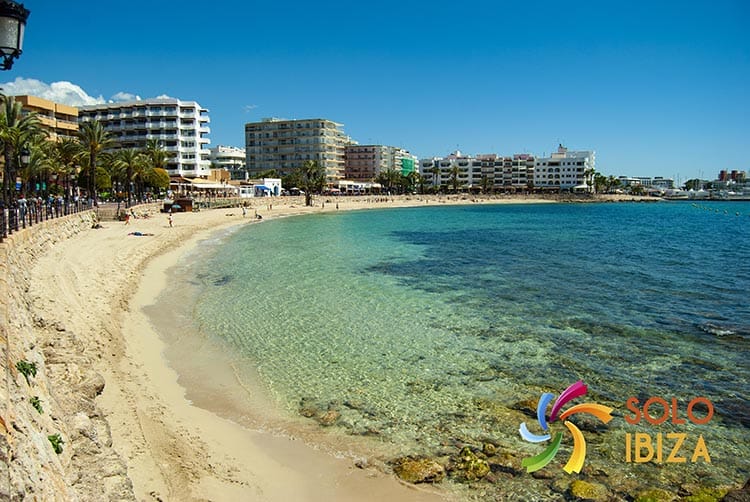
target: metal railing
26 213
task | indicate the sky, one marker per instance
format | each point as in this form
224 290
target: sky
655 88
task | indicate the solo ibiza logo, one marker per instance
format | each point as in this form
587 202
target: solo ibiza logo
575 462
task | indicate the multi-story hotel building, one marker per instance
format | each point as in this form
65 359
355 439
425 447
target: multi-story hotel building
365 162
231 159
284 145
439 171
565 170
57 119
181 126
486 171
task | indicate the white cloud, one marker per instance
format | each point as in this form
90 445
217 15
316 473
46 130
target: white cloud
124 96
61 92
164 96
249 108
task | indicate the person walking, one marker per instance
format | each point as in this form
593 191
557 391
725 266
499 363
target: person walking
171 219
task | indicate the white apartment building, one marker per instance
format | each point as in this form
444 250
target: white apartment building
439 171
565 170
229 158
284 145
181 127
647 182
488 171
365 162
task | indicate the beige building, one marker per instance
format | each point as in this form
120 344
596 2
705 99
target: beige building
365 162
284 145
57 119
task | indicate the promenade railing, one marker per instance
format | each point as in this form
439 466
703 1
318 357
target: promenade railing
28 212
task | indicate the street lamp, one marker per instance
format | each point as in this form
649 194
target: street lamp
12 23
25 157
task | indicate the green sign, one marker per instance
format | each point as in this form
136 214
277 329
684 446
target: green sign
407 166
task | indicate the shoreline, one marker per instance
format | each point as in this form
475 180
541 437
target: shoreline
269 466
175 450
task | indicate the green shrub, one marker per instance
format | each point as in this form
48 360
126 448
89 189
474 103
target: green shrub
26 368
57 443
36 404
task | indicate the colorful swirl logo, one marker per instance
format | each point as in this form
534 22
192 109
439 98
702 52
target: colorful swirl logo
575 462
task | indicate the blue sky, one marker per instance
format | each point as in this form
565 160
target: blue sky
656 88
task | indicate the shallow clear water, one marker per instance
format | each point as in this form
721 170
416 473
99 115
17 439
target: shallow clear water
426 327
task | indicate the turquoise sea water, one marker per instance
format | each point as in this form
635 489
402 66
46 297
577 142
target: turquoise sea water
431 328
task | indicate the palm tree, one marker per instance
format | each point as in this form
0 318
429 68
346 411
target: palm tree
600 182
414 179
612 182
435 170
454 177
389 178
419 180
131 162
156 154
36 173
152 173
17 131
312 178
589 176
485 183
93 139
65 155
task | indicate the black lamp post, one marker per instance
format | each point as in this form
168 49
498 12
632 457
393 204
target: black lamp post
25 158
12 24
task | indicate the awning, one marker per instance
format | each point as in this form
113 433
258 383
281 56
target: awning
208 185
262 187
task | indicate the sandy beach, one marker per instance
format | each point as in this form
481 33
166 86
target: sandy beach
173 449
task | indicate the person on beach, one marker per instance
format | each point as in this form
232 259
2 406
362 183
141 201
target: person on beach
244 211
127 219
171 219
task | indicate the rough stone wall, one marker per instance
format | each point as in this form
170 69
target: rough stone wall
88 467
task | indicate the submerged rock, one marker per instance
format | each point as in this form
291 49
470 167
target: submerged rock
740 495
470 467
584 490
510 463
706 494
526 406
329 417
308 408
654 495
419 470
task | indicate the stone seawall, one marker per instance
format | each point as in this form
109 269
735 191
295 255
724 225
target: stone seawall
57 401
